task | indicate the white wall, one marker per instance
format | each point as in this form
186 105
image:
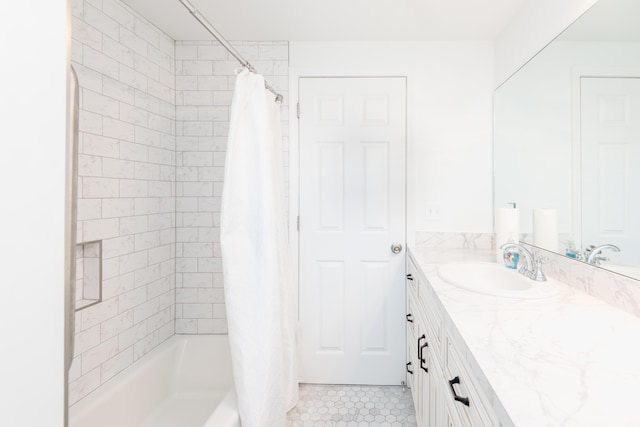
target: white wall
32 181
534 26
450 87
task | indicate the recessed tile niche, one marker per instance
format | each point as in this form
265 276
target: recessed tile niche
88 274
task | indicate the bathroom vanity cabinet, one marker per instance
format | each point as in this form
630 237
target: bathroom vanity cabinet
444 390
563 359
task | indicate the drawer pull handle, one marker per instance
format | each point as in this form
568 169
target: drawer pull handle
463 400
409 370
422 361
409 277
423 337
409 319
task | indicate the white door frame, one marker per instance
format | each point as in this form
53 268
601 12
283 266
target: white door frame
294 159
576 138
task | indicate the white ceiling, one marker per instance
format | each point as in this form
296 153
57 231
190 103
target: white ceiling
333 20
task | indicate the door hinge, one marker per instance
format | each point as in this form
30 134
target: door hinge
298 222
298 110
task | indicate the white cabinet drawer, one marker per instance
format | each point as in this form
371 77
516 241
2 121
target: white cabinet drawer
415 377
412 314
432 320
423 339
471 408
412 330
411 363
413 278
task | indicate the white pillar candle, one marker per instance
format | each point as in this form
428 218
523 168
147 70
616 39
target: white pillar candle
507 229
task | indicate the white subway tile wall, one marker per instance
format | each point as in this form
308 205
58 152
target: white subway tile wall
126 163
154 120
205 79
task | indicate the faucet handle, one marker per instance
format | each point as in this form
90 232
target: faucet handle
597 259
536 273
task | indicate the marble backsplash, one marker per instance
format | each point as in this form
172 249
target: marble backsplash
614 289
454 240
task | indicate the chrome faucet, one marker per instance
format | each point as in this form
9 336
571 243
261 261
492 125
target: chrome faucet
535 273
594 253
526 256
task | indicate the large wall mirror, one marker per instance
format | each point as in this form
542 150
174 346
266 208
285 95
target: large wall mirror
567 138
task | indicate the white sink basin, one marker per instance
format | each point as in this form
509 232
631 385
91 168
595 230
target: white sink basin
494 279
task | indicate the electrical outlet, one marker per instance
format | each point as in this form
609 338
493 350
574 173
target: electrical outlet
434 212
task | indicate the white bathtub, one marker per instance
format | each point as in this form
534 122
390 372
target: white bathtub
187 381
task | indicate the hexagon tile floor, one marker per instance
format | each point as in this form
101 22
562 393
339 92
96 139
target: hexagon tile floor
352 406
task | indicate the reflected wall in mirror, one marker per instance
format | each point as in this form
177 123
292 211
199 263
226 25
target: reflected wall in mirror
567 137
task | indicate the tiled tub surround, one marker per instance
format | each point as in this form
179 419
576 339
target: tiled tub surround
126 168
565 360
142 189
205 79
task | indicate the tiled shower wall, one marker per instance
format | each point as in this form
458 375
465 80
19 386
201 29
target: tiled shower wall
151 198
126 183
140 90
205 78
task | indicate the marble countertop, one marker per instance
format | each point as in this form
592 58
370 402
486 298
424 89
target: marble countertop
566 360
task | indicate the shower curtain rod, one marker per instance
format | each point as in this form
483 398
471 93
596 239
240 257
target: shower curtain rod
207 25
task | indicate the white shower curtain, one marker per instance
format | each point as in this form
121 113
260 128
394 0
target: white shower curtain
255 258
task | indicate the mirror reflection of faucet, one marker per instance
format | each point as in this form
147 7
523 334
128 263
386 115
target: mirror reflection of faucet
593 253
535 273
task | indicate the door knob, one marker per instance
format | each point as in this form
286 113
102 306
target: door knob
396 248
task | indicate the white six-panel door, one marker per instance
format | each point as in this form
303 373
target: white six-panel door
352 209
610 133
